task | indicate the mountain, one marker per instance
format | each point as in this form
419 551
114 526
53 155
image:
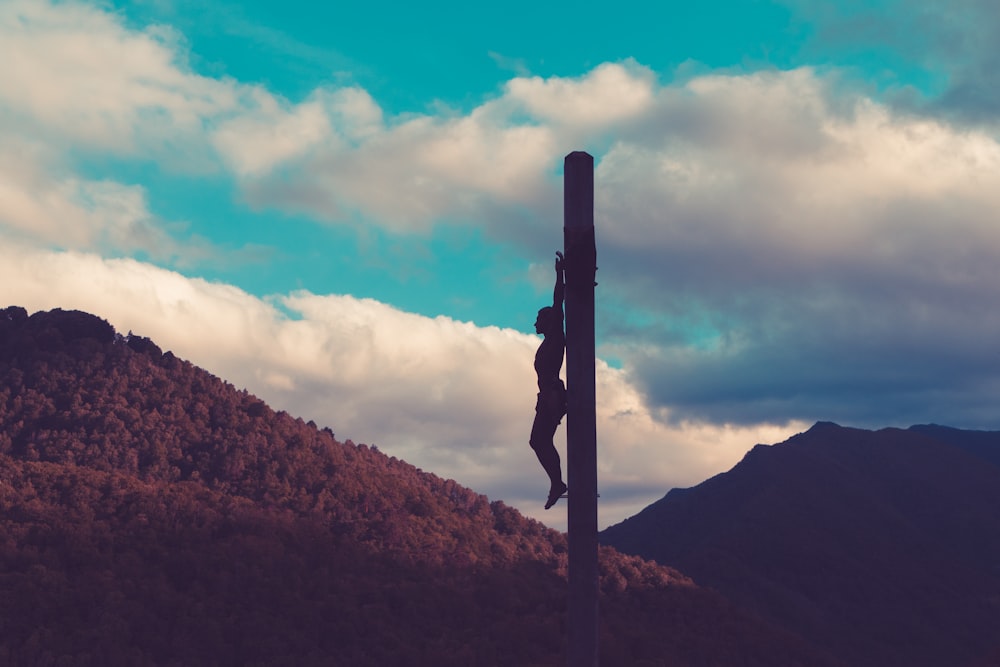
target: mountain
881 547
153 514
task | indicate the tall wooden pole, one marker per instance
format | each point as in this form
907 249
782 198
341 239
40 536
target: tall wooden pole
581 417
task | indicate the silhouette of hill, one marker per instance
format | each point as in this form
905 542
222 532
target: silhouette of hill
153 514
881 547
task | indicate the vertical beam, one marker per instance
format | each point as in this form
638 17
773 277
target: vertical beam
581 418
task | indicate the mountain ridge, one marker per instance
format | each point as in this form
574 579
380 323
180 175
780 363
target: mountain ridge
880 546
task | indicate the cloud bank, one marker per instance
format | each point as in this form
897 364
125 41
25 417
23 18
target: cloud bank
448 396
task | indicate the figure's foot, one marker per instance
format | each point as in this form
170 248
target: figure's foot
555 493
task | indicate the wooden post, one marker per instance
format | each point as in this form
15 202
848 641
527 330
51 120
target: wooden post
581 418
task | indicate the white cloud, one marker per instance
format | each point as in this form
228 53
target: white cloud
448 396
76 85
414 172
259 141
73 72
774 164
81 82
409 172
610 93
44 203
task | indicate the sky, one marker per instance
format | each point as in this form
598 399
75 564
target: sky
352 209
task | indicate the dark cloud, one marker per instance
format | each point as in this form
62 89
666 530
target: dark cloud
856 360
954 43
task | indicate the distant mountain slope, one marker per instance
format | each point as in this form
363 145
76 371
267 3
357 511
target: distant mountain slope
883 547
154 515
983 444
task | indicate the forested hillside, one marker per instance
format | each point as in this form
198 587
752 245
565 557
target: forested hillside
155 515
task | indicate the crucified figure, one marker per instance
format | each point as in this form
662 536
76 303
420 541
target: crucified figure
551 404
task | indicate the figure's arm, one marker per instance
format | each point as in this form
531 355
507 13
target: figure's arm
557 294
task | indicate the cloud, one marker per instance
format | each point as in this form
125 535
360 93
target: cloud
74 73
78 79
516 65
414 172
84 84
953 45
790 249
80 88
610 93
46 204
451 397
270 135
410 172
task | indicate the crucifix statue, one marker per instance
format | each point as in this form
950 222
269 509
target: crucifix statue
550 406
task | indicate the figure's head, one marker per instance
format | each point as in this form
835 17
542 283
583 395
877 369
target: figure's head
547 320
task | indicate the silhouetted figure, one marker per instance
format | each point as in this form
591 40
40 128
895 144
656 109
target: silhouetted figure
551 405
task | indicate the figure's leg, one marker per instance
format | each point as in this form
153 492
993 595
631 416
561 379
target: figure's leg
542 433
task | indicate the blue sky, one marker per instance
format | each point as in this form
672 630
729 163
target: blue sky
351 211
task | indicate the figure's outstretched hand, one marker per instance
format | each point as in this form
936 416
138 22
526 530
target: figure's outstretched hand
560 261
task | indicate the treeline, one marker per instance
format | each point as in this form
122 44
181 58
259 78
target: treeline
73 392
153 514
